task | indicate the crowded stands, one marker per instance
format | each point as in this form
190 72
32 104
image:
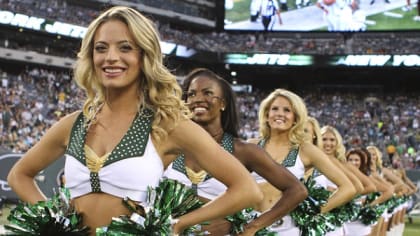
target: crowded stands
36 97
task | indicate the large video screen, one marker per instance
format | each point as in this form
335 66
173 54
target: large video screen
322 15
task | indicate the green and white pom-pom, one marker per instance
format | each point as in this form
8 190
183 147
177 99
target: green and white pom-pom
370 214
307 214
345 213
166 202
243 217
47 218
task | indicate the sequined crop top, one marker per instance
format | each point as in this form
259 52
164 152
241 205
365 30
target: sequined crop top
128 170
209 187
292 162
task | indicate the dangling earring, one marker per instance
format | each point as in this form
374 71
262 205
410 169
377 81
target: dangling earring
223 109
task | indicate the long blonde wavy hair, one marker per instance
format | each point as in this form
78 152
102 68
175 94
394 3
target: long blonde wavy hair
340 151
378 155
158 88
296 134
317 138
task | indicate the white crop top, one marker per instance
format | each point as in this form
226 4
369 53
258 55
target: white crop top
210 188
324 182
292 162
132 167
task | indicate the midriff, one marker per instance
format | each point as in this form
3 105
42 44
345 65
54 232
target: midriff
98 209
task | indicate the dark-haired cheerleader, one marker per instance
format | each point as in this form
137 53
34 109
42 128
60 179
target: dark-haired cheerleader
213 105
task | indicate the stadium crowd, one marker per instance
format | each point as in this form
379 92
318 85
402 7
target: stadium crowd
34 97
31 102
37 97
222 42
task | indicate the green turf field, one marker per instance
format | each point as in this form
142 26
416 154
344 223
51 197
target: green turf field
384 22
240 12
412 229
5 213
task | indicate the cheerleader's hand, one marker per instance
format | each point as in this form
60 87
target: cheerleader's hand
217 227
176 230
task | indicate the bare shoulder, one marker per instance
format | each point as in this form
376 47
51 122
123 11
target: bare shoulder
66 123
62 128
183 136
184 130
386 170
311 154
70 118
253 140
250 154
241 145
308 148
